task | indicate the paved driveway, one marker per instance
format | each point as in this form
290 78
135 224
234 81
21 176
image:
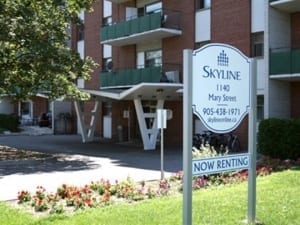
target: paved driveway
73 162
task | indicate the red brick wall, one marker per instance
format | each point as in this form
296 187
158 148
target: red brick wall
174 133
231 23
124 57
93 21
173 47
295 103
295 29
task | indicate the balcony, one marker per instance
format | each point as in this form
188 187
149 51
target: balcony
285 64
131 77
143 29
289 6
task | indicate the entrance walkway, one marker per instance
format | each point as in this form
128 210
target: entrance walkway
73 162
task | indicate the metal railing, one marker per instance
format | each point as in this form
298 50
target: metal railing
167 73
284 61
133 25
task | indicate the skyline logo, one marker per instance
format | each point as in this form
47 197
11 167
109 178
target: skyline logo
223 59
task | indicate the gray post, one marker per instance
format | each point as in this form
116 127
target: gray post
187 136
252 147
162 174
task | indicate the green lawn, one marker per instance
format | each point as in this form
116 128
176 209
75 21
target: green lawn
278 203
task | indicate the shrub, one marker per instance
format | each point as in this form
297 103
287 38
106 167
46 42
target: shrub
279 138
206 151
9 122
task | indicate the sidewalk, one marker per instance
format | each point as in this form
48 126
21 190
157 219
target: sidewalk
76 163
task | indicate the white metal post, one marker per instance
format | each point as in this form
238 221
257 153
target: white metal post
187 136
252 147
162 174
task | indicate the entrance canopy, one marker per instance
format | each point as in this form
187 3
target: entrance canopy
143 91
159 92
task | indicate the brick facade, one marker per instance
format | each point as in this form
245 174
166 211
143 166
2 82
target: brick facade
231 23
92 47
173 47
295 30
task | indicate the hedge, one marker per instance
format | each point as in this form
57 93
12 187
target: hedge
279 138
9 122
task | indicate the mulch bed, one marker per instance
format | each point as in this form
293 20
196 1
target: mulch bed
9 153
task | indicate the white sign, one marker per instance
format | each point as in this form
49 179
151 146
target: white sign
161 118
220 164
221 86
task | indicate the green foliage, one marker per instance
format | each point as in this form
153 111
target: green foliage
279 138
34 56
9 122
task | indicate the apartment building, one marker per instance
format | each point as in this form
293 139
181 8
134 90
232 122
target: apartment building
139 46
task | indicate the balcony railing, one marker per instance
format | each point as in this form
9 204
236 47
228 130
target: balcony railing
130 77
135 26
284 62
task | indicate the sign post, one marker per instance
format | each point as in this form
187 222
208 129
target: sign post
162 124
220 88
187 134
252 149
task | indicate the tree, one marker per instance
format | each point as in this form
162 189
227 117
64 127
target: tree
34 54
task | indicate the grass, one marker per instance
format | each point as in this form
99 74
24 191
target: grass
278 203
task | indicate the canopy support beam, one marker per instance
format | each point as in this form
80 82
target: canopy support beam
87 130
149 135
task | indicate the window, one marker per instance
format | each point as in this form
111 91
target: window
107 21
106 58
141 11
257 44
260 107
153 8
153 58
203 4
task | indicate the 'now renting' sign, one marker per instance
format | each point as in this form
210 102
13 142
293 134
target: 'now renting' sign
220 164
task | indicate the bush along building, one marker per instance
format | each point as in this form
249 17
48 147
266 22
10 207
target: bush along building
139 46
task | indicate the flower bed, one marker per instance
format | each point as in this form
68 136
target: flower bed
101 193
